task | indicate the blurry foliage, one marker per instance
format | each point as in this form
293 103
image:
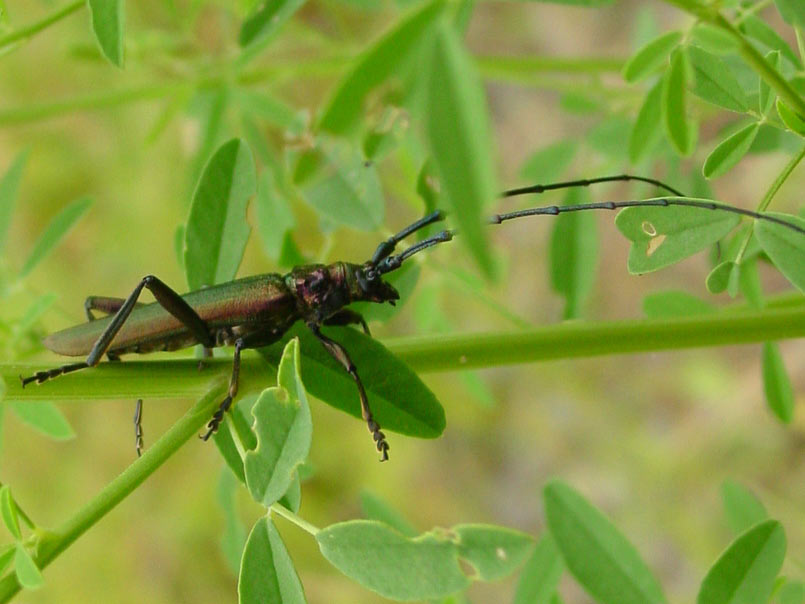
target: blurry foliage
176 116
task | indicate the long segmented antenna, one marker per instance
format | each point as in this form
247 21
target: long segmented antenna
385 248
585 182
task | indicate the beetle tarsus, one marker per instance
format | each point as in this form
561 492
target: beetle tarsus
138 427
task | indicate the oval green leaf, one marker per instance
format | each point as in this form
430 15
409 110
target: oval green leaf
217 230
730 151
541 573
344 187
792 11
494 552
108 25
399 400
267 19
54 231
762 32
8 509
674 104
662 236
714 39
791 120
784 246
28 574
458 135
766 96
719 278
647 129
745 572
650 57
283 427
267 574
382 60
598 555
574 255
45 417
714 81
742 508
674 304
777 384
396 567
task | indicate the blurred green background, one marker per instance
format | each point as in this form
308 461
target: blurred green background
647 438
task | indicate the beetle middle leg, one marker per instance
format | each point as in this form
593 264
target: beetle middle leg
165 296
339 353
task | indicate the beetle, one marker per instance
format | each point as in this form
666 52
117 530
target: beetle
256 311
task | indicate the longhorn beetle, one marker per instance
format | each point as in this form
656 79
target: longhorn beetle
256 311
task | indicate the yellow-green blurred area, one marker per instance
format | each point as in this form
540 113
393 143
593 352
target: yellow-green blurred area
649 439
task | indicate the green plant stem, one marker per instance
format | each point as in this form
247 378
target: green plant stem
290 516
53 543
177 378
33 29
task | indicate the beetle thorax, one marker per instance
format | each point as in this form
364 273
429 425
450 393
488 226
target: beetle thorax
320 290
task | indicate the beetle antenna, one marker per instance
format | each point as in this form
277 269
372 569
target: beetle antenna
587 182
392 263
386 247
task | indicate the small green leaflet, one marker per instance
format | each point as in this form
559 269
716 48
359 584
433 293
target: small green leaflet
650 57
791 120
108 24
765 34
267 574
233 537
742 509
678 129
284 429
540 574
714 39
44 417
766 96
53 233
459 139
375 508
745 572
785 247
9 185
714 81
382 60
8 509
674 304
267 19
730 151
425 567
549 163
27 572
792 11
647 130
217 230
343 186
595 552
661 236
777 384
724 277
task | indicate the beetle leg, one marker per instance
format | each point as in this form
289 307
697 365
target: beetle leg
138 427
345 316
104 304
252 340
167 298
340 354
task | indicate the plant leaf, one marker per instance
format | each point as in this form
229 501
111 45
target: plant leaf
541 573
493 551
396 567
777 384
721 276
650 57
764 33
458 135
217 230
44 417
384 58
745 572
375 508
791 120
284 429
714 81
267 19
53 233
785 247
233 537
792 12
549 163
672 304
597 554
574 255
674 104
766 96
9 186
27 573
267 573
647 129
662 236
742 508
108 24
399 400
714 39
344 187
730 151
8 510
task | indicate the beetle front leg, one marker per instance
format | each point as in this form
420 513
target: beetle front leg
165 296
340 354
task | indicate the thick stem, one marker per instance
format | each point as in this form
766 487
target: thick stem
52 544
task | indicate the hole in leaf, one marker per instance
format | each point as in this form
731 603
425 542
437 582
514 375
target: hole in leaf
501 553
648 228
